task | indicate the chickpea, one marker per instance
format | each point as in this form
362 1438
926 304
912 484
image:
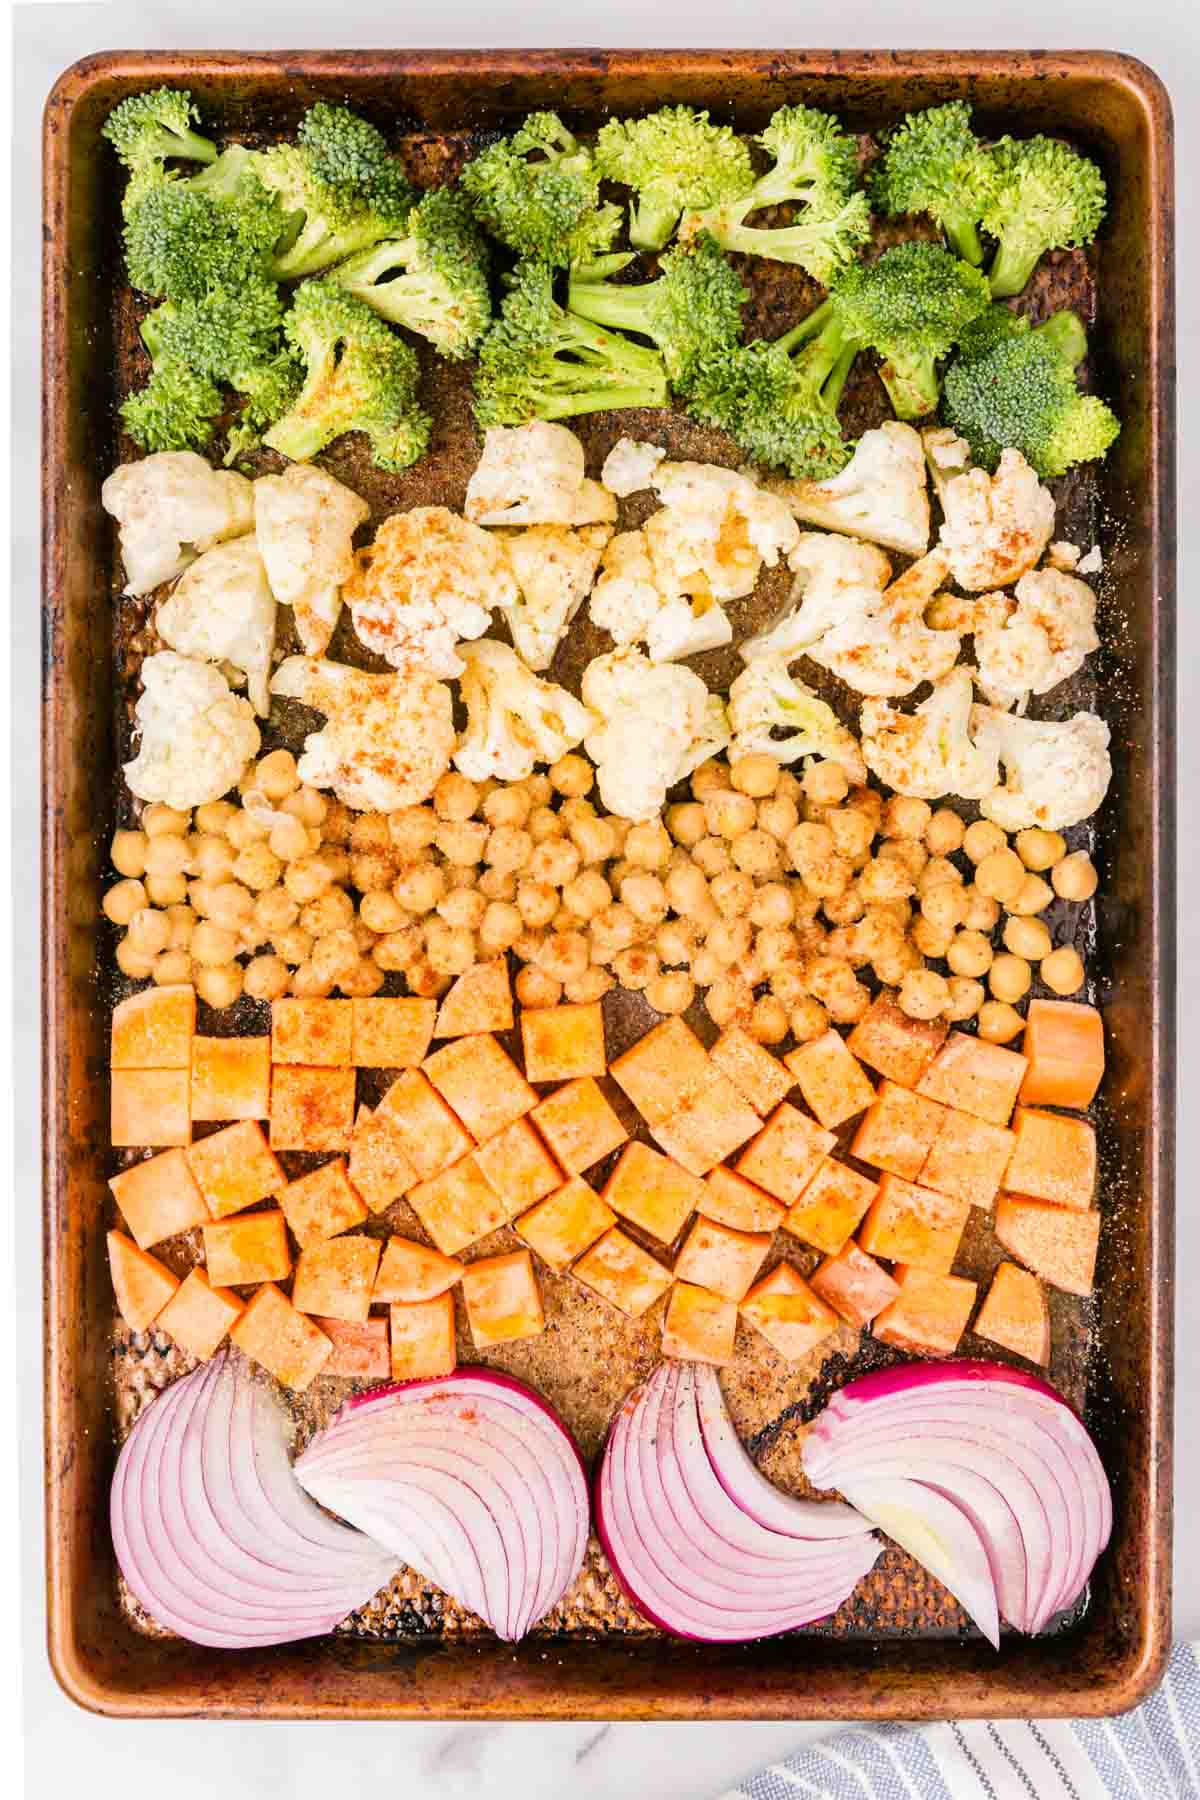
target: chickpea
214 816
266 978
825 783
544 823
733 893
689 894
307 878
565 955
212 858
160 820
166 890
134 962
539 789
1040 850
400 949
910 853
181 922
364 937
213 945
307 805
370 831
463 908
885 879
844 943
500 926
363 980
789 787
498 884
711 777
675 942
455 797
983 839
122 900
381 911
412 829
276 776
923 994
729 1001
844 909
944 906
772 905
613 930
148 932
892 966
419 887
591 986
648 845
588 894
529 944
635 968
425 981
938 871
462 840
778 817
334 954
835 985
686 822
336 825
966 998
807 1020
509 847
245 829
220 985
768 1021
852 833
288 839
1028 938
756 774
537 902
757 853
1062 971
1075 877
506 806
931 940
788 983
711 856
1033 896
258 867
906 818
595 839
450 949
331 911
1000 875
171 966
671 992
292 944
730 939
307 984
775 945
555 862
128 852
970 953
998 1023
1009 977
231 905
645 896
275 910
730 814
572 775
534 987
944 832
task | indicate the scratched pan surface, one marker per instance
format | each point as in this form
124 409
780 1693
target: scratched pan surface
900 1647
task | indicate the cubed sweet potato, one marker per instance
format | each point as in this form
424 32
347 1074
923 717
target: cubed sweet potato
199 1316
699 1326
234 1168
712 1123
431 1137
563 1042
423 1339
786 1154
503 1299
661 1070
159 1198
231 1077
252 1247
968 1158
1054 1158
829 1209
390 1034
1056 1243
480 1000
732 1200
154 1029
652 1191
410 1271
976 1077
892 1044
1014 1314
897 1130
379 1167
458 1206
928 1315
322 1204
911 1224
1064 1042
783 1307
337 1277
282 1339
834 1083
479 1080
311 1109
854 1284
360 1352
150 1107
561 1227
315 1033
519 1166
721 1259
141 1283
622 1273
759 1077
579 1124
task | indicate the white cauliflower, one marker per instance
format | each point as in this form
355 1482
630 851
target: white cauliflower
514 720
995 527
765 699
929 752
628 602
554 569
196 736
1092 563
222 610
169 508
428 581
658 723
629 466
1048 636
714 531
305 522
1057 771
387 739
881 495
534 475
1065 556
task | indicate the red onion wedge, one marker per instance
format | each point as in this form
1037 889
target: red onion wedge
211 1532
470 1478
691 1555
972 1466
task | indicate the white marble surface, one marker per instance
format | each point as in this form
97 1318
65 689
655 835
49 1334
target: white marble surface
69 1751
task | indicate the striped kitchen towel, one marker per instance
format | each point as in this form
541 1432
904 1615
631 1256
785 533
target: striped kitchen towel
1152 1753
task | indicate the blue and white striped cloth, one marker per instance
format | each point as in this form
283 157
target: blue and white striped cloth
1152 1753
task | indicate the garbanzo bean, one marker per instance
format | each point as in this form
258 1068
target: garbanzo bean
426 982
924 994
768 1020
1063 971
671 992
1075 877
707 967
686 822
645 896
648 845
148 932
413 828
220 986
400 949
998 1023
983 839
635 968
778 816
497 884
931 940
171 967
572 775
306 878
555 862
730 939
537 902
506 806
455 796
885 879
983 913
500 926
852 832
544 823
214 816
122 900
710 778
1040 850
336 824
675 942
266 978
969 953
944 832
772 904
292 943
729 1001
309 806
334 954
757 853
382 911
134 962
938 870
966 998
910 853
307 984
128 852
711 856
231 905
729 814
166 890
1000 874
160 820
450 949
534 987
756 774
1009 977
417 888
905 818
944 906
463 907
258 867
462 840
808 1020
213 945
331 911
275 775
591 986
1033 896
538 787
1028 938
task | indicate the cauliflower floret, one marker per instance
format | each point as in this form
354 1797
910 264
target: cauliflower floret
995 526
554 569
628 602
928 753
196 737
170 507
305 522
1092 563
534 475
387 739
629 466
1057 771
714 531
881 495
1064 556
765 699
222 610
657 724
514 720
428 581
1049 636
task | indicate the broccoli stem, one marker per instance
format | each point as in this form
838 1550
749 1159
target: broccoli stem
1012 266
620 308
964 238
1065 335
651 222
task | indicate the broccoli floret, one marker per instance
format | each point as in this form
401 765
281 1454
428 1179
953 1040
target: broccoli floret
1021 394
911 306
147 129
538 191
1048 197
341 188
232 337
540 361
181 240
359 376
175 410
350 161
692 312
434 279
933 163
1063 329
673 159
815 163
779 400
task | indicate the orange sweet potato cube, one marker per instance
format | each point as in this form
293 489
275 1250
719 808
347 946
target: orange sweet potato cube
897 1131
430 1135
721 1259
622 1273
579 1125
833 1081
253 1247
458 1206
699 1326
154 1029
560 1227
653 1191
562 1042
150 1107
234 1168
976 1077
712 1123
1064 1042
311 1109
732 1200
379 1167
360 1352
892 1044
141 1283
829 1209
1054 1158
479 1080
661 1070
410 1271
503 1299
789 1315
1056 1243
968 1158
317 1034
390 1034
231 1077
423 1339
1015 1315
854 1284
928 1315
159 1198
337 1277
199 1317
283 1340
480 1000
758 1076
519 1166
911 1224
786 1154
322 1204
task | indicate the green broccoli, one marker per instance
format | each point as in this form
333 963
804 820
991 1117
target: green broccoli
815 163
675 160
231 337
146 130
539 361
692 312
779 400
538 191
433 279
933 163
181 240
340 187
1019 392
911 306
359 376
1063 329
177 408
1048 197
